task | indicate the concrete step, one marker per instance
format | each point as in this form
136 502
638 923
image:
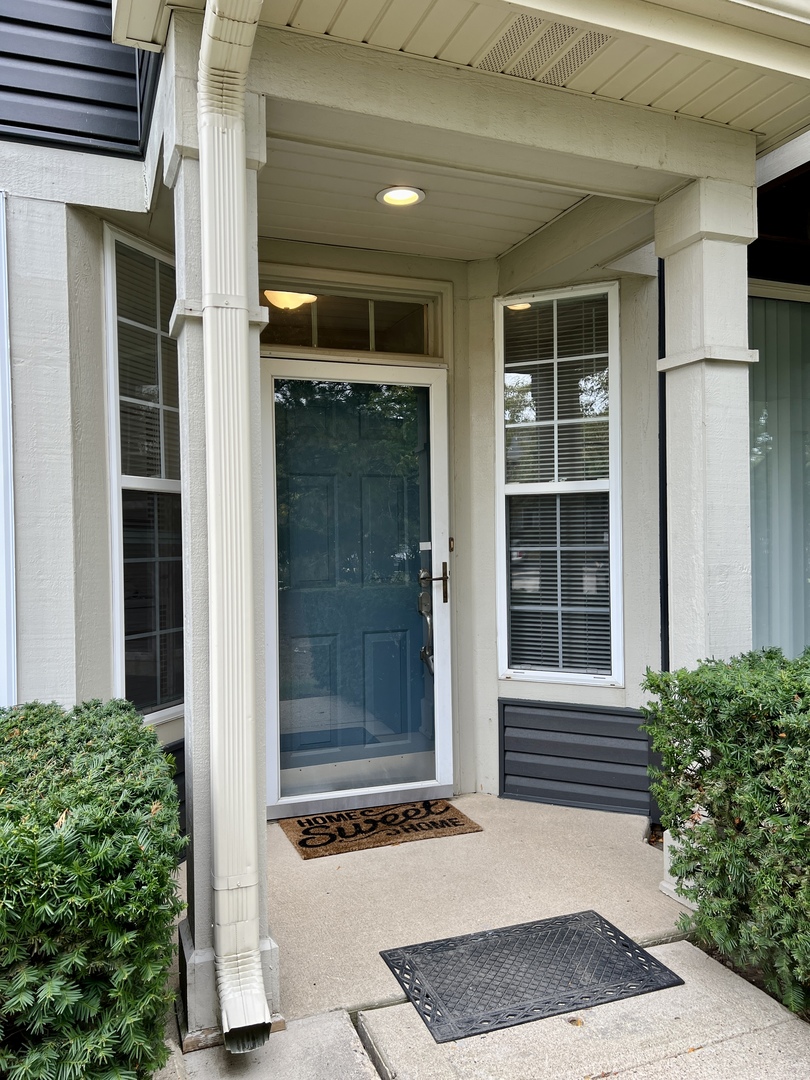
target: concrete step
324 1047
714 1027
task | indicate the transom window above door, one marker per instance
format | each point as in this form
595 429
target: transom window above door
305 317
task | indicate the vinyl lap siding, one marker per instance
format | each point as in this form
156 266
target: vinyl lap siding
575 756
64 83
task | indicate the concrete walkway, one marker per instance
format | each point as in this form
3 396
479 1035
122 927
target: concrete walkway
347 1018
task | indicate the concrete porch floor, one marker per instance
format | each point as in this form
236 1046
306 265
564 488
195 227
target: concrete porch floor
331 917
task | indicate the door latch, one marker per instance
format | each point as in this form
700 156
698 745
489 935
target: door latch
425 579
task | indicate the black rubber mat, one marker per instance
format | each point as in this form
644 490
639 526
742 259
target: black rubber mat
467 985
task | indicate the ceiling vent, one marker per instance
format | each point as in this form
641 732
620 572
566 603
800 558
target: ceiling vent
510 43
576 57
549 43
531 49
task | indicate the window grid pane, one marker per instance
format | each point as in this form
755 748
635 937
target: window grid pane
153 599
556 397
147 365
559 582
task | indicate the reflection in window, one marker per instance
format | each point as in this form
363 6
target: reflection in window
349 323
153 599
355 444
556 391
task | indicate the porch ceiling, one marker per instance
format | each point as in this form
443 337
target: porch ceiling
326 195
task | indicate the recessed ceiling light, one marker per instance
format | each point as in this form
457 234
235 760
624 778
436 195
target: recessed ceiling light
518 307
289 301
400 196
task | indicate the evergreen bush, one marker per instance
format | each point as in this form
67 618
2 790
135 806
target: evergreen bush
89 840
734 791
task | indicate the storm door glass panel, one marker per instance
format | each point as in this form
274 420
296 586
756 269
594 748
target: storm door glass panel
780 473
356 699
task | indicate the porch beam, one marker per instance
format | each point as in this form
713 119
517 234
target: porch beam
595 232
586 133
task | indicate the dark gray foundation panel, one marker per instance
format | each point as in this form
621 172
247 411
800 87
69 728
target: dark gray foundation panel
178 752
573 755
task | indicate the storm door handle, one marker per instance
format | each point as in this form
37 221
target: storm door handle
444 577
425 606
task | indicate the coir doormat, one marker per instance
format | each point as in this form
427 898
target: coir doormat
376 826
468 985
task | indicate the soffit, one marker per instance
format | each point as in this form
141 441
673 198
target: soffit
581 57
717 60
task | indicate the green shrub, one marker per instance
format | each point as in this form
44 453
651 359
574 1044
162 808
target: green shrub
735 743
89 841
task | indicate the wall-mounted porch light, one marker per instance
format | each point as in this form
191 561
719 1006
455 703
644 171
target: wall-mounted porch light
400 196
289 301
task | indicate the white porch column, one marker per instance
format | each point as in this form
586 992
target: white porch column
181 173
702 232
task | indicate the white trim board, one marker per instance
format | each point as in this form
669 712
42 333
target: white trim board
783 159
8 604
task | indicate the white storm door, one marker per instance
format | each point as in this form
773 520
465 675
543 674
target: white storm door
359 698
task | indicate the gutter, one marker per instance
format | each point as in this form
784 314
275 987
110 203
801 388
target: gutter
229 30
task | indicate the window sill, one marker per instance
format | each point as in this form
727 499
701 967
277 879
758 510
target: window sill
561 677
164 716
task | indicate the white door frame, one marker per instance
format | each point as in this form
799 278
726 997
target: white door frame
435 379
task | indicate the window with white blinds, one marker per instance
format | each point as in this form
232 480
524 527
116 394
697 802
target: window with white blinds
560 510
146 455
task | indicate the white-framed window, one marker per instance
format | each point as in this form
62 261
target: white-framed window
144 442
559 498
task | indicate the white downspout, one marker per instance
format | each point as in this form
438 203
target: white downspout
229 30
